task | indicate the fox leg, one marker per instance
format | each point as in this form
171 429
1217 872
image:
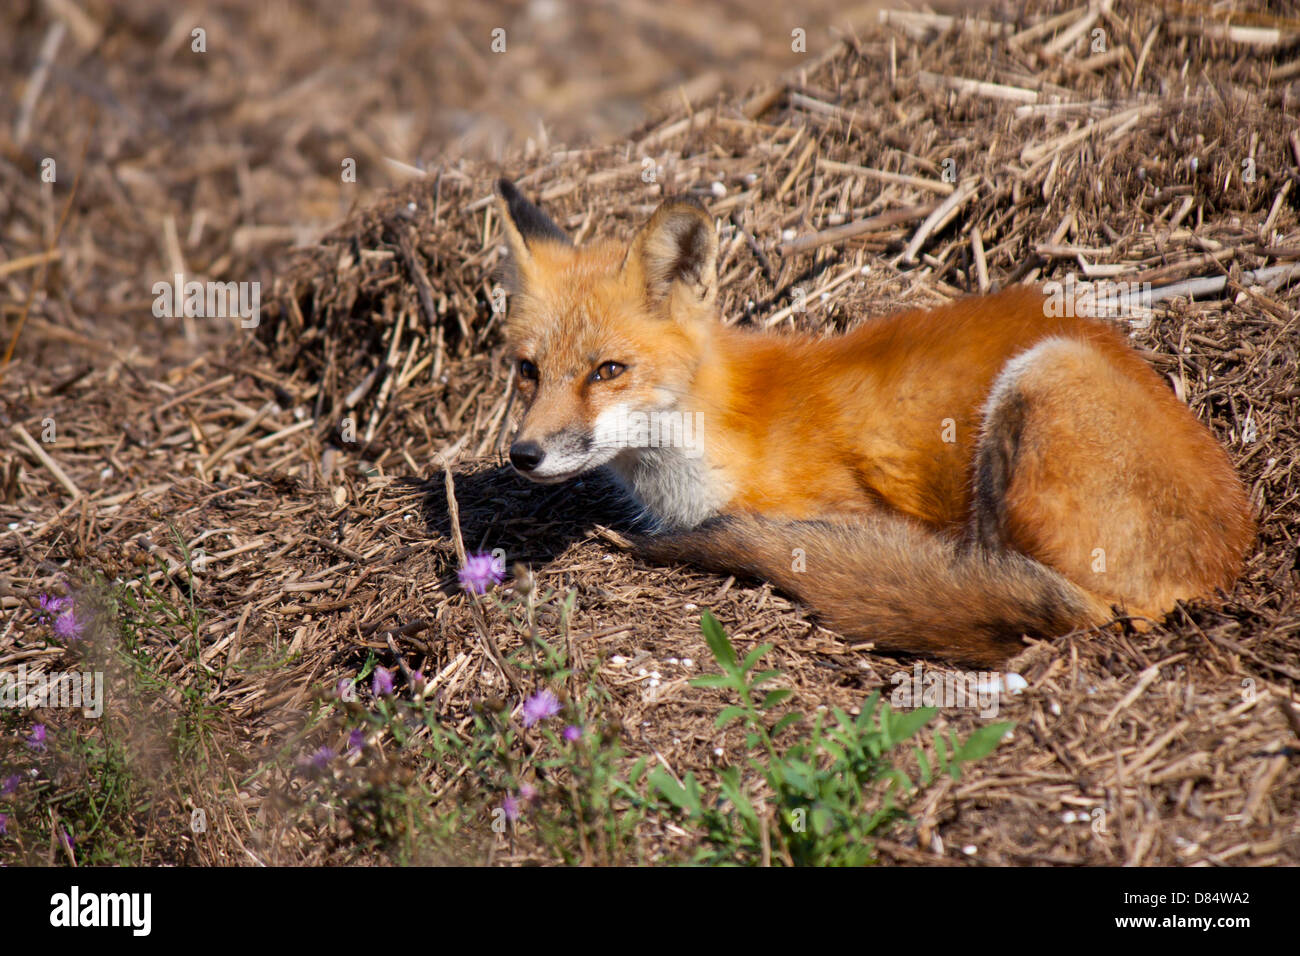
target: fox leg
1089 464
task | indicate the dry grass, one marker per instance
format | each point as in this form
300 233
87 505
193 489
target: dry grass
321 550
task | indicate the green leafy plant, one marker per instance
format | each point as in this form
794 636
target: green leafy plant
830 794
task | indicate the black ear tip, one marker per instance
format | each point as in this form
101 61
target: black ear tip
506 189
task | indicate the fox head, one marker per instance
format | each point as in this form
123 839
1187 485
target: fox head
601 332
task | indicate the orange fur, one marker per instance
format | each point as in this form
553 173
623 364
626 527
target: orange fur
953 478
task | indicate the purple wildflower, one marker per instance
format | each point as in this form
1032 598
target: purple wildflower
511 806
37 740
67 628
480 572
381 685
346 689
573 733
527 792
356 740
68 839
52 606
9 785
541 705
321 758
4 823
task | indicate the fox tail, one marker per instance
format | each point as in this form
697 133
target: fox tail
887 580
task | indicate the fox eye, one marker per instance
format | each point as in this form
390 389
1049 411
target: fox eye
607 370
527 370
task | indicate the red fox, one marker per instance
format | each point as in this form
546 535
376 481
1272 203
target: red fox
939 482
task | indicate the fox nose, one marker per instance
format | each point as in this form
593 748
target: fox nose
526 455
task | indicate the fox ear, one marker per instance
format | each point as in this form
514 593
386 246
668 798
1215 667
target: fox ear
524 225
676 251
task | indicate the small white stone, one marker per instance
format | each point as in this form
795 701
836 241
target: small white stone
717 751
656 676
969 849
618 660
750 178
1055 708
1068 816
690 607
641 672
718 189
865 270
1015 683
672 660
788 234
654 682
687 662
106 474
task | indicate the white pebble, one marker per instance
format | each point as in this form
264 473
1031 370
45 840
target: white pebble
618 660
640 672
687 662
718 189
969 849
1015 683
717 751
691 607
788 234
1068 816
